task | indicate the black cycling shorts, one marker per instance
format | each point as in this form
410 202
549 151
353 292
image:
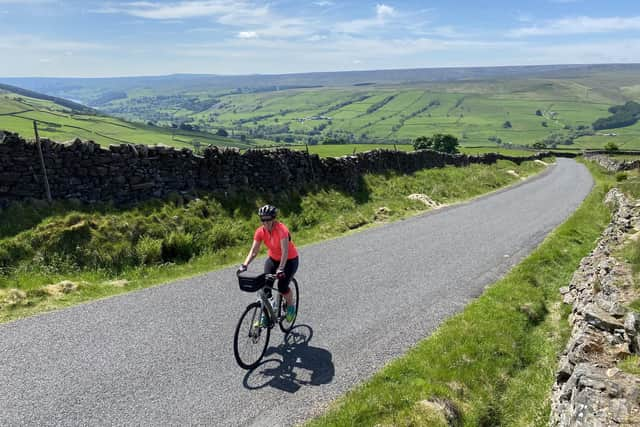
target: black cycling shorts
290 268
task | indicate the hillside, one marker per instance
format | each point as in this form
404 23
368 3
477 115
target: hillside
481 106
63 120
86 89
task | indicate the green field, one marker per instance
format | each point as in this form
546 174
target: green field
17 114
472 111
520 110
350 149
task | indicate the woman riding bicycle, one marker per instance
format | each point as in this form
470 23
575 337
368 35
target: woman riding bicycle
282 256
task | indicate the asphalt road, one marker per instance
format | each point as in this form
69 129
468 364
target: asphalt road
163 356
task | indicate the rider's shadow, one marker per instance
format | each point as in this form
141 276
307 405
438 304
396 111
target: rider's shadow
292 364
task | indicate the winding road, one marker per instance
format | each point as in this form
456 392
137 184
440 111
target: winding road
163 356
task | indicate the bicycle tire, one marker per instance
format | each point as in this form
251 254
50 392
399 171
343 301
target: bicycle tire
284 325
245 337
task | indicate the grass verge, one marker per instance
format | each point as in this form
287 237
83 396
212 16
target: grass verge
494 362
161 241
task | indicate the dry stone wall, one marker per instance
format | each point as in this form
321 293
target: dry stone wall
613 165
130 173
590 390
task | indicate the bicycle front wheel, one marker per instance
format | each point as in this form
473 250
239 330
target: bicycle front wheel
286 326
251 338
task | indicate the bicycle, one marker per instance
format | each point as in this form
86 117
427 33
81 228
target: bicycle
251 330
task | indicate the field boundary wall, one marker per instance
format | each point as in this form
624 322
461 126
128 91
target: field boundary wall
125 174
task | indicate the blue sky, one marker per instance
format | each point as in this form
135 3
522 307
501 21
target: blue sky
125 38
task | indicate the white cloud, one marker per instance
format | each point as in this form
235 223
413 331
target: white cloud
579 25
345 48
23 2
382 11
203 30
323 3
446 31
317 38
24 43
360 25
259 20
241 16
177 10
618 51
524 17
247 35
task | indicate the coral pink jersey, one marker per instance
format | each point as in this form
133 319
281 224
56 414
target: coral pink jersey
272 240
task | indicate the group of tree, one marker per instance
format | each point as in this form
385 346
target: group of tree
107 97
539 145
566 138
378 105
186 127
611 147
622 115
444 143
335 141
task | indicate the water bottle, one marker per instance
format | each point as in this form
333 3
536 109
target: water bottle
276 304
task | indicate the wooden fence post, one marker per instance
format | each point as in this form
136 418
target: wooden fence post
44 169
313 174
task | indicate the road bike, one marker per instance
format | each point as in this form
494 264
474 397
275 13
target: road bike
254 327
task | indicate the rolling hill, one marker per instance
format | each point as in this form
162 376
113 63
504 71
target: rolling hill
62 120
481 106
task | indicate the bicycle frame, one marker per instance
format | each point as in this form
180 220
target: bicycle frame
265 300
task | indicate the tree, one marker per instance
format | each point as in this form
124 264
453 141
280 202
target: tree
507 124
444 143
539 145
611 146
538 113
623 115
422 143
222 132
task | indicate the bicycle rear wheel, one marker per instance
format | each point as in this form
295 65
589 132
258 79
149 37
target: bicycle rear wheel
250 339
284 325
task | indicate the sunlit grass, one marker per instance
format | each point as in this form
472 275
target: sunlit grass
496 360
160 241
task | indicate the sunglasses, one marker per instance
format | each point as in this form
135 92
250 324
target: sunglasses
266 219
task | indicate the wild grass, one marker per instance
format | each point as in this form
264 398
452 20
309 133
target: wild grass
160 241
496 360
631 365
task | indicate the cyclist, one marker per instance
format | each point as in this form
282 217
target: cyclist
282 254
